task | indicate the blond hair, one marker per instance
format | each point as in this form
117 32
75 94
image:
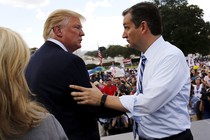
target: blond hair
18 113
58 17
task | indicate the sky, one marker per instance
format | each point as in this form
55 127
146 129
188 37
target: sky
103 25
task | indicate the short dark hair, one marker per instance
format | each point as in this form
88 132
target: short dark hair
146 11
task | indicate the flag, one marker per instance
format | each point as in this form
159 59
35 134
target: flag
100 57
127 61
191 62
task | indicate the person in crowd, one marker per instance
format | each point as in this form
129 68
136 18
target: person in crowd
109 88
206 80
198 86
54 66
133 84
205 103
103 123
121 88
93 78
196 96
203 73
159 107
99 85
21 118
120 122
194 74
127 83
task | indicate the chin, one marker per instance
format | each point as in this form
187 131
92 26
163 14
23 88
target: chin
78 47
130 46
133 46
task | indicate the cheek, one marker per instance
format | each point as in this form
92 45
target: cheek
131 34
132 37
70 33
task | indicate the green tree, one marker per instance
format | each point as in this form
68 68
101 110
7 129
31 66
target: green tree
172 2
113 51
92 53
183 26
117 50
95 53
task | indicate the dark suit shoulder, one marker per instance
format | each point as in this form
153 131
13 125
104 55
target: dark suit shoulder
54 53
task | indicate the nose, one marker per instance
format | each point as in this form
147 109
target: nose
82 33
124 35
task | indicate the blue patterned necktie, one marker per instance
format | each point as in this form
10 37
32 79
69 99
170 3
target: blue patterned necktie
142 66
139 89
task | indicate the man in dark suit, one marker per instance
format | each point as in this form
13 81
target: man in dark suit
53 68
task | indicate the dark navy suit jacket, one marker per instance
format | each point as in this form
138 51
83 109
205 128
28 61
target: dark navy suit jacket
49 73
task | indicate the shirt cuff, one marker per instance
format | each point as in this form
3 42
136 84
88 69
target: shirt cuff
128 103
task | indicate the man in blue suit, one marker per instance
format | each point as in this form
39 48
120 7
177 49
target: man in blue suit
54 67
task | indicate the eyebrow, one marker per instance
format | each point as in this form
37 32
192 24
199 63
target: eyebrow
78 25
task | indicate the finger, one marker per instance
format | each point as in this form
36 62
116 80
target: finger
76 94
77 87
78 98
82 102
92 85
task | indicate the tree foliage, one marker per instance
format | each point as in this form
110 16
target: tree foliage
183 26
113 51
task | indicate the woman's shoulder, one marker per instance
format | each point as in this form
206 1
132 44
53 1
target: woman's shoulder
53 128
48 129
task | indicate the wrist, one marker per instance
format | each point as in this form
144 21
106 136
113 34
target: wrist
103 99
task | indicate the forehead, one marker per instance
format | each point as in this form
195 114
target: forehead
127 19
74 21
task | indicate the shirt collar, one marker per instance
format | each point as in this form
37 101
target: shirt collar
58 43
154 48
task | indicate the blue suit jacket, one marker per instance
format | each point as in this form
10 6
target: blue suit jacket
49 73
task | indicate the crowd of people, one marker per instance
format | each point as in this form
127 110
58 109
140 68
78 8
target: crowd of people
126 83
200 90
115 86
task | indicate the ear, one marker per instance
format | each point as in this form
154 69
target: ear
144 27
57 31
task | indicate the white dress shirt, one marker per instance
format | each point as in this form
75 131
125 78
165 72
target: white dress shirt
161 110
58 43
